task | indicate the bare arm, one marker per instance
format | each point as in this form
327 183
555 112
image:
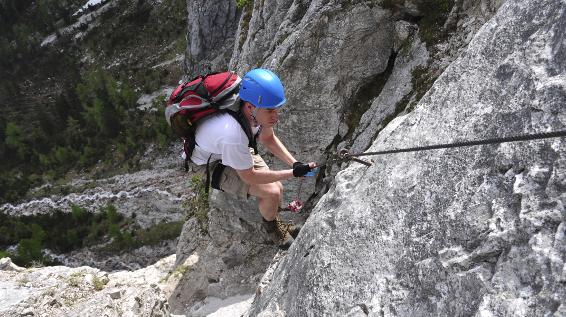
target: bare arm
263 176
268 138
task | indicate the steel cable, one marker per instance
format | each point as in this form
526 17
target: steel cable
517 138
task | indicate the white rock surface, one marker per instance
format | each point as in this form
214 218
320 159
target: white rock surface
84 291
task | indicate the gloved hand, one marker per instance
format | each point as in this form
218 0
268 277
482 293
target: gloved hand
300 169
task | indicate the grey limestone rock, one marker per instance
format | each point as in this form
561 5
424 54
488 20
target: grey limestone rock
391 100
324 51
455 232
227 260
212 26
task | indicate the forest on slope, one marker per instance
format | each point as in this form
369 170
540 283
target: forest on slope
71 81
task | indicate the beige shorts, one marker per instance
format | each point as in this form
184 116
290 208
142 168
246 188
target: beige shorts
230 182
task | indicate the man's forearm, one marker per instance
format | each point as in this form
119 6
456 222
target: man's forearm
276 147
264 176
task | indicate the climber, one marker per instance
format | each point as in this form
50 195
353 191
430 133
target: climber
223 146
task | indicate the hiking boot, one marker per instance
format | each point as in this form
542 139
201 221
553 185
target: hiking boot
278 231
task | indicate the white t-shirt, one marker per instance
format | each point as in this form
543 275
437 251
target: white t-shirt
223 137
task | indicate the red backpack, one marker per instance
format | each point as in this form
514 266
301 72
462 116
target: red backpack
193 101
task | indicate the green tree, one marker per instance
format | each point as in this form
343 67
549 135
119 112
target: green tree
4 254
29 250
79 214
15 140
102 106
74 133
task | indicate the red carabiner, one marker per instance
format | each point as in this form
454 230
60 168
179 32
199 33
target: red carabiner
296 205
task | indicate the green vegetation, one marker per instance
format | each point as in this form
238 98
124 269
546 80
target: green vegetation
406 46
389 4
145 28
365 96
422 80
434 15
245 25
22 24
59 231
243 3
99 283
72 105
160 232
197 206
134 238
179 272
101 124
76 279
64 232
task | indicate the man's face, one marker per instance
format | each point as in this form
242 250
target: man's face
267 117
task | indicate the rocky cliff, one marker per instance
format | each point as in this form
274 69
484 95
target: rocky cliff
212 26
466 231
349 69
456 232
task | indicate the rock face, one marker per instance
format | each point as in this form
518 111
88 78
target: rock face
228 260
84 291
310 45
336 67
212 26
466 231
386 105
336 59
289 37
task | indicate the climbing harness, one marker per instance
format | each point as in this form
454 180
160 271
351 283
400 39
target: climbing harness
345 155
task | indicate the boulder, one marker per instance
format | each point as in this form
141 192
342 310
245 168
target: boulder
7 265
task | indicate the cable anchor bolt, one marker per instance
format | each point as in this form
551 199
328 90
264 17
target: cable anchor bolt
345 155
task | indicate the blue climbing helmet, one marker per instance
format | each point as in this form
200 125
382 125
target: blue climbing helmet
263 89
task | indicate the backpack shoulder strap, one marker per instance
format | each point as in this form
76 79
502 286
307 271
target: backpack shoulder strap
189 144
239 116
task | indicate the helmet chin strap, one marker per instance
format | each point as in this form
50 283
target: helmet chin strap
254 112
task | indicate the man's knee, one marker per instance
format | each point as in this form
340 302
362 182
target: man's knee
274 191
271 191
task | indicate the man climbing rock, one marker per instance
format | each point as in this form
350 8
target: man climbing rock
224 150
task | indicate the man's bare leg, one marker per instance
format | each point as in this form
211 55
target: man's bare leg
269 198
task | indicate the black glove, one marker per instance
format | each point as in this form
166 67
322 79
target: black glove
300 169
